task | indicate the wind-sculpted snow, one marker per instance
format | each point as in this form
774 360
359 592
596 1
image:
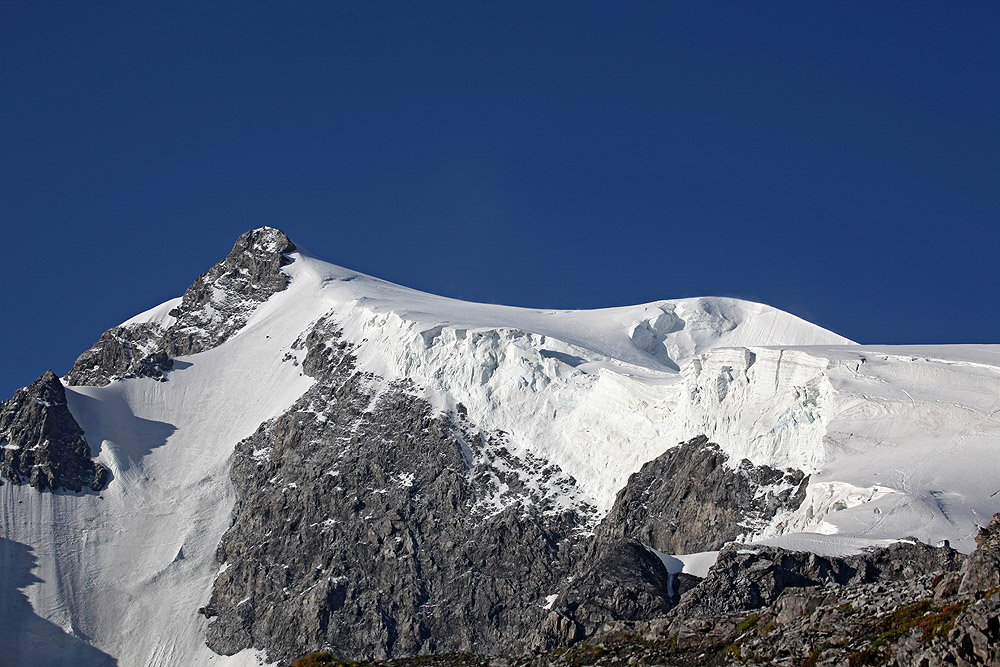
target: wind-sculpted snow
27 638
554 380
599 393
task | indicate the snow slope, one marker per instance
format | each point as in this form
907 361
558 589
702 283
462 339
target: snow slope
595 391
899 440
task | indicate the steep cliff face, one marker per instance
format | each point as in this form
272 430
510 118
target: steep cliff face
367 523
617 580
982 570
897 605
42 444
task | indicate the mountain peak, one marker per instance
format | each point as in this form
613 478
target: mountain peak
216 306
263 241
351 463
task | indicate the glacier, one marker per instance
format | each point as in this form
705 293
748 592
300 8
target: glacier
898 440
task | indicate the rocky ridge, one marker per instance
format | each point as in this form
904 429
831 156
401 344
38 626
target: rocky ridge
746 578
686 500
42 444
906 605
216 306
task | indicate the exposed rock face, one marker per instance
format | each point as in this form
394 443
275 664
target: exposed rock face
883 607
217 305
982 569
221 300
688 500
973 639
618 580
41 442
125 351
748 578
911 616
367 524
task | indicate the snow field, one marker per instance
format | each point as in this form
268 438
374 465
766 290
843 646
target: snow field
898 440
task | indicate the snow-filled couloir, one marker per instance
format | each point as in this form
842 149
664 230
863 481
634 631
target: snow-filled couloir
897 440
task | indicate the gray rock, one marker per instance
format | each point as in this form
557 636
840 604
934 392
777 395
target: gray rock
366 524
749 578
221 300
217 305
41 442
981 570
124 351
686 500
767 606
689 500
621 580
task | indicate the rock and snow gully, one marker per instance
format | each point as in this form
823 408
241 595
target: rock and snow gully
293 456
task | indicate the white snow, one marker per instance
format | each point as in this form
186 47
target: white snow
826 545
156 315
106 565
697 564
611 378
899 440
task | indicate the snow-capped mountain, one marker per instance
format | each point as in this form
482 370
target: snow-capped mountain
314 457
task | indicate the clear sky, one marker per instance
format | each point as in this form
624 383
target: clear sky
839 160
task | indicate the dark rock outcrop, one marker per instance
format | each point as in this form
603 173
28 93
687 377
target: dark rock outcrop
620 580
41 442
888 610
748 578
121 352
217 305
686 500
689 500
366 523
981 570
221 300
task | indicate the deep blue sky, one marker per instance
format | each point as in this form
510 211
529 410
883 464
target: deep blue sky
837 160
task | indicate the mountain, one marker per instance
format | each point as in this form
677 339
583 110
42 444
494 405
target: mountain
294 456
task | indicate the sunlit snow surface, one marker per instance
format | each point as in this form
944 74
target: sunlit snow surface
899 440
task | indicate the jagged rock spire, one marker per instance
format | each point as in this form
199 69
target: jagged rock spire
41 442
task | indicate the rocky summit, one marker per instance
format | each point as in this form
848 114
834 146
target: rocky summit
213 308
295 463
